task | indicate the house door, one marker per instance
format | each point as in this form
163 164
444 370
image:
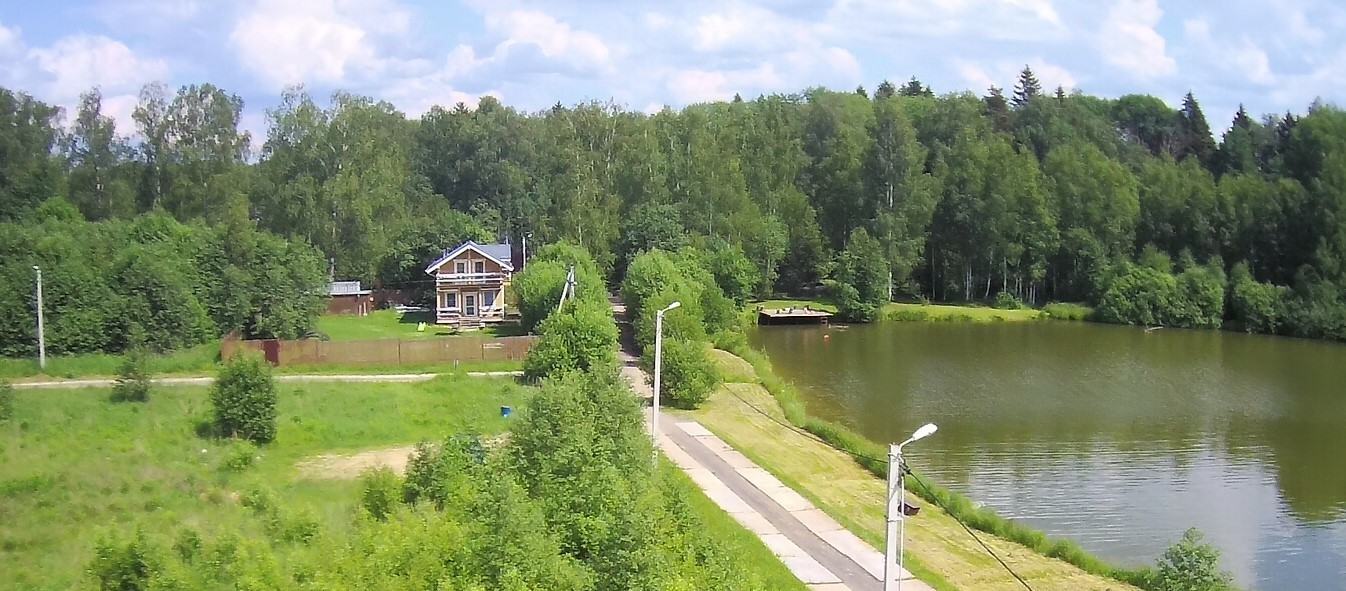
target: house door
470 304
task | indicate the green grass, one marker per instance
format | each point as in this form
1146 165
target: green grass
1067 311
748 550
74 466
196 360
389 324
946 313
438 368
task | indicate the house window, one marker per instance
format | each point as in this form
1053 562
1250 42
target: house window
460 267
488 299
481 266
451 299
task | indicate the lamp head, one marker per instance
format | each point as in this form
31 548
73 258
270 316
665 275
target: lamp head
35 268
672 306
925 431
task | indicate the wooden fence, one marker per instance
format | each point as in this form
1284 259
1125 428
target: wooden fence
384 352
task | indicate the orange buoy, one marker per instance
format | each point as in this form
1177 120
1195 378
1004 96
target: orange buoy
827 337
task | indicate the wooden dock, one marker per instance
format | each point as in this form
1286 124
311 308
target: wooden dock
803 315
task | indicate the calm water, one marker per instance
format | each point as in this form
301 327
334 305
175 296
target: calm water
1117 438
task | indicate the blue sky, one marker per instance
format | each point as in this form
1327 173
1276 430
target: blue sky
645 54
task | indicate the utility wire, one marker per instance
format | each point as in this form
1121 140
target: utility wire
933 497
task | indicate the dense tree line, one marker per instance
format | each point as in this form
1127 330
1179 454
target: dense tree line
1044 196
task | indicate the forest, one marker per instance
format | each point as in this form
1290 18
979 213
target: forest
1019 196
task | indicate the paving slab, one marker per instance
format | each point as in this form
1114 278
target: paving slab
782 546
808 570
755 523
694 429
829 587
857 550
817 521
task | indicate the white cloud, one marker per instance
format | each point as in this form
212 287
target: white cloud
556 40
1244 59
76 64
1302 29
1130 42
315 41
148 15
1016 20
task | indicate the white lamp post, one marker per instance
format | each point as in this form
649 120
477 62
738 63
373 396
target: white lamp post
658 365
41 335
896 519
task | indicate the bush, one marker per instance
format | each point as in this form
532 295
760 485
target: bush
1067 311
244 400
131 566
538 289
850 306
688 375
580 337
1008 301
1260 306
1191 565
380 491
6 401
133 384
240 458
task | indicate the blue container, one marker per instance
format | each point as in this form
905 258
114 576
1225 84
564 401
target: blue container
505 411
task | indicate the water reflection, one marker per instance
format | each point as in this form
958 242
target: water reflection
1114 436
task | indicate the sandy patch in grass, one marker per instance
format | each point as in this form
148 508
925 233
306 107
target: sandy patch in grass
343 467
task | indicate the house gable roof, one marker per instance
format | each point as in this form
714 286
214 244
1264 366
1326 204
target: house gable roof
500 253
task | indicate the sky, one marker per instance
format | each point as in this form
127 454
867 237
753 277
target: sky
643 54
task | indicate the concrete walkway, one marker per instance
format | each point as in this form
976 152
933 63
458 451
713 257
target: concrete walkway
819 551
208 380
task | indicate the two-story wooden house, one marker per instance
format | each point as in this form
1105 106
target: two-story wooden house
471 283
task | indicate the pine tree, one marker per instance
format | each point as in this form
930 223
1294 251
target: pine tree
1195 137
1060 93
885 90
914 87
1241 118
997 109
860 90
1027 88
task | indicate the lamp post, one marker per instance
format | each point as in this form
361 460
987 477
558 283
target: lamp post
525 248
896 500
658 365
41 334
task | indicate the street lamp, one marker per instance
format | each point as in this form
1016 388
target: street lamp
525 248
896 499
658 365
41 336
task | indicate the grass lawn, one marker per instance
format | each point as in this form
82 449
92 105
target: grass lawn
941 313
74 466
197 360
938 550
389 324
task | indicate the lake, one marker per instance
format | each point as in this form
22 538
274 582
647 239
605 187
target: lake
1115 437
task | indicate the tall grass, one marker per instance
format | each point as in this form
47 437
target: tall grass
873 457
1067 311
199 359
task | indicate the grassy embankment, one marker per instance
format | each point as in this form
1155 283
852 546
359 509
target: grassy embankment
852 491
204 359
75 467
904 312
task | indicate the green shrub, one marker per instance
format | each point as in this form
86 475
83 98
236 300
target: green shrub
1008 301
538 289
1260 306
240 458
133 384
582 336
6 401
1067 311
688 375
380 491
907 315
244 400
130 566
1191 565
